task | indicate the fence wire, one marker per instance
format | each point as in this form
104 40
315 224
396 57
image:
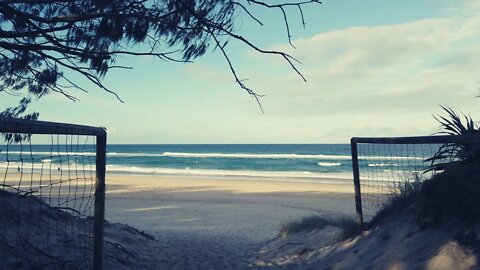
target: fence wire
47 197
433 167
385 168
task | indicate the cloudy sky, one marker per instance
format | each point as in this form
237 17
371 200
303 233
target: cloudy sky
373 68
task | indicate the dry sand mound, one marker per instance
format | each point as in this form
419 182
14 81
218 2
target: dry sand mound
34 235
396 243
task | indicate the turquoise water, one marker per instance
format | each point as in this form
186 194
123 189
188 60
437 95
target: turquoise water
306 162
260 160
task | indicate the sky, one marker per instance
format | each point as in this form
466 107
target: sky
373 68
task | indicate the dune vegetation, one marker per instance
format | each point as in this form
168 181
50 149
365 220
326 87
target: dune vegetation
449 197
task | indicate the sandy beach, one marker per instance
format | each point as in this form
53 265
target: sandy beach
230 223
217 223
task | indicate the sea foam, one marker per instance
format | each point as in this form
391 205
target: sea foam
238 173
215 155
329 164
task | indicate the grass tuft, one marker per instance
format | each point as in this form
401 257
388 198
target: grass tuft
402 196
313 223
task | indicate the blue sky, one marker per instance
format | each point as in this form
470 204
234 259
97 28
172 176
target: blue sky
374 68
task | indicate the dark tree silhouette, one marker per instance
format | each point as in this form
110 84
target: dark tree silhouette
41 41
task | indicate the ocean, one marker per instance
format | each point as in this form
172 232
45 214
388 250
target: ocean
289 162
280 161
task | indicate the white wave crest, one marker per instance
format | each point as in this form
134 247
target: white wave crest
49 154
248 155
216 155
45 165
329 164
280 156
382 165
238 173
116 154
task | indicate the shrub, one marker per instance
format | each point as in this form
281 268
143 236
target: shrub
451 197
452 153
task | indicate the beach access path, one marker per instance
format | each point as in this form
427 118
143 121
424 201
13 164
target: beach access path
217 223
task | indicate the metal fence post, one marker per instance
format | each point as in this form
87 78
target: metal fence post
99 202
356 183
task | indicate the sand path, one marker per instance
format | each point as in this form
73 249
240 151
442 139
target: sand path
216 223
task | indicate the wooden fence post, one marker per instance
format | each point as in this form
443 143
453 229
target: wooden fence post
99 202
356 183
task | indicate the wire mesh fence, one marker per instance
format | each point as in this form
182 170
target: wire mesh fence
51 202
386 167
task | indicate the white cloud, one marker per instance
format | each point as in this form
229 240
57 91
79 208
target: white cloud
383 80
414 66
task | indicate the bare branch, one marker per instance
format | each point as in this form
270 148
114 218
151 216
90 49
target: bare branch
248 12
232 69
286 56
282 8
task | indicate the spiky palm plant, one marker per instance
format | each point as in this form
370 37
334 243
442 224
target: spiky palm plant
455 153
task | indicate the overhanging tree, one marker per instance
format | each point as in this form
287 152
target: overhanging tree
41 41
